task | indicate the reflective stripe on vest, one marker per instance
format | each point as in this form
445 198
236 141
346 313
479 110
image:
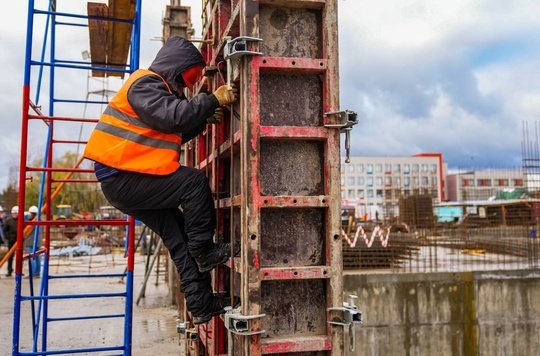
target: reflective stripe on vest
122 141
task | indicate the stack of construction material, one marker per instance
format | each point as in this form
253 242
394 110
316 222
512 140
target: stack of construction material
417 211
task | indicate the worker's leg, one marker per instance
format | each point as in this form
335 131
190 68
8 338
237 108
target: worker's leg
10 260
187 187
168 223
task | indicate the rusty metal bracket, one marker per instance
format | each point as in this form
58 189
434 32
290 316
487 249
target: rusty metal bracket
185 328
236 48
347 120
347 315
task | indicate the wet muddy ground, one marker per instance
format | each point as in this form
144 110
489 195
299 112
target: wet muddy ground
154 321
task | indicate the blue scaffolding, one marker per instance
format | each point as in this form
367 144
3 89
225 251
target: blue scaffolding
39 299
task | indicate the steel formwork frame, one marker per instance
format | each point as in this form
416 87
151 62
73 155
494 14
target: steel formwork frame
40 316
275 171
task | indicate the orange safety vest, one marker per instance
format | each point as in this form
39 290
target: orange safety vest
122 141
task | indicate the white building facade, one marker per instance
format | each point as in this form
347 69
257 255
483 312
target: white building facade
373 185
482 184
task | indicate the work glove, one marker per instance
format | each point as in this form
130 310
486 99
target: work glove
217 117
226 96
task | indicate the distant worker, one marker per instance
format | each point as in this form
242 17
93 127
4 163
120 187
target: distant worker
2 217
28 245
10 232
136 148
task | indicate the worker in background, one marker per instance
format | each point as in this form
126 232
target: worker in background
136 148
2 217
28 244
10 232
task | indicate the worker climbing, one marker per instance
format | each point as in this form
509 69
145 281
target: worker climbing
136 146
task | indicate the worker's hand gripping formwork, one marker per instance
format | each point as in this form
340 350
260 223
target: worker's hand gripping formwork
274 169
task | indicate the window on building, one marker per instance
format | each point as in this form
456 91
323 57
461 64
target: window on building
378 168
483 182
406 168
502 182
359 168
369 181
369 169
370 193
387 168
342 180
342 194
397 181
350 181
518 182
360 193
406 192
433 168
378 181
360 181
434 193
388 181
396 168
378 193
415 181
406 182
351 194
398 193
415 168
424 168
434 181
425 181
388 193
350 168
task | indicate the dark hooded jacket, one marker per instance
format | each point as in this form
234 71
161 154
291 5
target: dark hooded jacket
166 112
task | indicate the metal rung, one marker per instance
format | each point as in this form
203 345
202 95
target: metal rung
99 18
74 351
80 101
73 296
88 317
112 222
71 24
59 118
72 66
105 275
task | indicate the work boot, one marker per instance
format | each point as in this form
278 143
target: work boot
216 307
215 256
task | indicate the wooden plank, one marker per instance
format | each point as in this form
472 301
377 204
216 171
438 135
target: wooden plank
98 36
119 38
297 344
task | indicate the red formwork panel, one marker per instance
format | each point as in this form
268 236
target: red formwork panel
274 170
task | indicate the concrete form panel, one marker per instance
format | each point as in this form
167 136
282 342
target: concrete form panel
291 100
293 308
291 168
292 237
290 32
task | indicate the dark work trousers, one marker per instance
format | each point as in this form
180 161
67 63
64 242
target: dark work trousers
10 260
155 201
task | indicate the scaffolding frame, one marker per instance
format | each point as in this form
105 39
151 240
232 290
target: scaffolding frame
31 111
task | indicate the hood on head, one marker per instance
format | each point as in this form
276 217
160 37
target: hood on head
176 55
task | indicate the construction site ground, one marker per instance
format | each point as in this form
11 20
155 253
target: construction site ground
154 321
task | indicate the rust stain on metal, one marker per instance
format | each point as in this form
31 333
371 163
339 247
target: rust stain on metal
291 100
289 32
291 168
292 237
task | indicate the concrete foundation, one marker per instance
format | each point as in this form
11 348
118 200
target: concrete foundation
482 313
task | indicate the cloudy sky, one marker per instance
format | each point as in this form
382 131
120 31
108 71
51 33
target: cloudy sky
457 77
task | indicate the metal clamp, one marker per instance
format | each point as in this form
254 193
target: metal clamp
240 324
348 315
347 119
184 328
237 48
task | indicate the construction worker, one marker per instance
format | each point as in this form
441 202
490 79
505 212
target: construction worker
2 216
10 232
35 263
136 147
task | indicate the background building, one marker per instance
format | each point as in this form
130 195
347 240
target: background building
483 184
373 185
